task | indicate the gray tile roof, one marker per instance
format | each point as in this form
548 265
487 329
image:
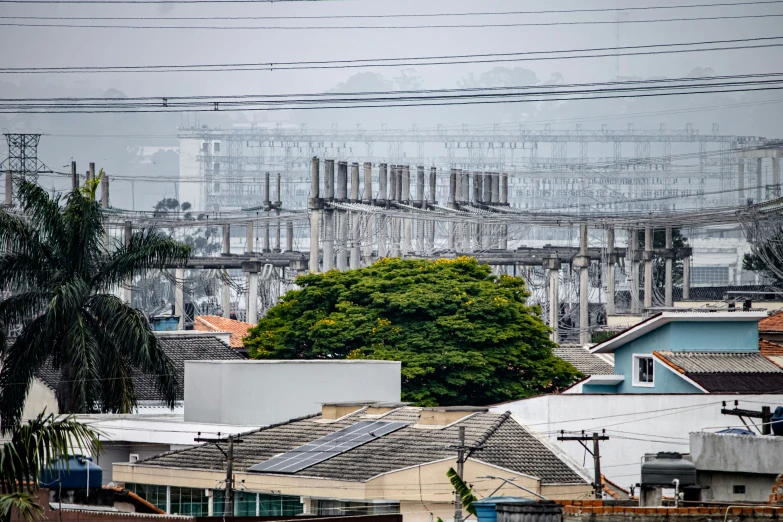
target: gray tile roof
179 348
716 362
505 443
582 360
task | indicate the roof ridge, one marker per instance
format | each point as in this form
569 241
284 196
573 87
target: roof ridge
660 356
491 431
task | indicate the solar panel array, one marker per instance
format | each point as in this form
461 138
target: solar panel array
327 447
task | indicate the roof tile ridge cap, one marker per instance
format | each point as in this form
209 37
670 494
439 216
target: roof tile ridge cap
491 431
207 323
667 362
251 432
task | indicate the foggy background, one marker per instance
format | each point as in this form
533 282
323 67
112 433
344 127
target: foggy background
145 144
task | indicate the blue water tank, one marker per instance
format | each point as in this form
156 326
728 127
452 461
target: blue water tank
164 323
776 423
72 474
485 508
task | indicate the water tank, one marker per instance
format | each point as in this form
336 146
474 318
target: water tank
538 511
164 323
665 467
776 423
486 507
79 472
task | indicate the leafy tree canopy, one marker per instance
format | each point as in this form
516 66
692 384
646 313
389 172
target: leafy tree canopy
463 335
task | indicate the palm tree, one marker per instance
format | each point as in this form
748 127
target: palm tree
34 447
60 273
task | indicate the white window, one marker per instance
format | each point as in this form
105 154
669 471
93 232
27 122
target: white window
643 371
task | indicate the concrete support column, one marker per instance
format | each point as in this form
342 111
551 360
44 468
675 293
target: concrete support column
382 183
249 236
328 242
105 191
341 216
356 233
776 175
179 297
759 181
487 186
582 261
91 173
741 181
433 185
368 222
74 177
393 183
9 188
289 236
452 204
267 237
669 288
406 184
495 188
648 263
252 298
504 189
128 285
420 187
226 290
610 264
552 266
686 278
367 196
314 204
354 182
633 247
476 188
458 187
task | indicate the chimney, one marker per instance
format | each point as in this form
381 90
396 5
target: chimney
443 416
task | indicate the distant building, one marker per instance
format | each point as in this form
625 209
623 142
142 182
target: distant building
397 465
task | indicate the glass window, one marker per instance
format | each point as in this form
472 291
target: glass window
644 370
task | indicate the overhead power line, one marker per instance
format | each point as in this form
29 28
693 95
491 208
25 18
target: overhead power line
373 16
266 103
395 62
379 27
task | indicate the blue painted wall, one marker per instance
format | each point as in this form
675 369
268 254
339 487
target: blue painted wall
678 337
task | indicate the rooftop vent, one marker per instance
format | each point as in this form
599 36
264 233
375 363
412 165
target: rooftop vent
335 410
379 408
443 416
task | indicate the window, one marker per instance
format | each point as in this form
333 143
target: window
739 490
643 371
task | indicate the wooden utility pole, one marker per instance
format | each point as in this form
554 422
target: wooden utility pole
596 453
229 455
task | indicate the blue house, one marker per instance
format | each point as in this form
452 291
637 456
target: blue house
689 352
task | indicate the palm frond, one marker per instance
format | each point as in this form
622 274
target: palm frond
146 250
128 331
18 236
85 232
42 211
463 490
21 270
23 504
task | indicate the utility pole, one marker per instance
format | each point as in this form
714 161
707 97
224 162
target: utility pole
229 455
765 415
461 457
596 453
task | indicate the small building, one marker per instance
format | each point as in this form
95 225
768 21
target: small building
689 352
737 467
216 323
362 459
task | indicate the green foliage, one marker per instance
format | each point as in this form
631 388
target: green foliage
463 490
463 335
34 447
61 279
766 259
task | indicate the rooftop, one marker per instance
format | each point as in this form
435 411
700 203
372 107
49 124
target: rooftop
215 323
584 361
505 443
179 348
773 323
726 372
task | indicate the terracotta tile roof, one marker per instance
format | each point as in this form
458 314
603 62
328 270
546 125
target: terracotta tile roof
773 323
215 323
768 348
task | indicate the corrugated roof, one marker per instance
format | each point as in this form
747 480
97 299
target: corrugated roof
773 323
179 348
584 361
215 323
508 444
756 383
717 362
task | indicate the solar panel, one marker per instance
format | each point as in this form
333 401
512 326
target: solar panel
327 447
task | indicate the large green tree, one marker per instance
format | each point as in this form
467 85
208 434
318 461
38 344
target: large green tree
463 335
60 275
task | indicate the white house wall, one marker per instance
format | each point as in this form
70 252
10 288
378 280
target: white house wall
635 424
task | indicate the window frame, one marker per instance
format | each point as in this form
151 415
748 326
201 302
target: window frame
637 357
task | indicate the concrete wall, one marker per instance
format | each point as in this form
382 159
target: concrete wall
265 392
737 453
635 423
40 398
120 452
758 487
